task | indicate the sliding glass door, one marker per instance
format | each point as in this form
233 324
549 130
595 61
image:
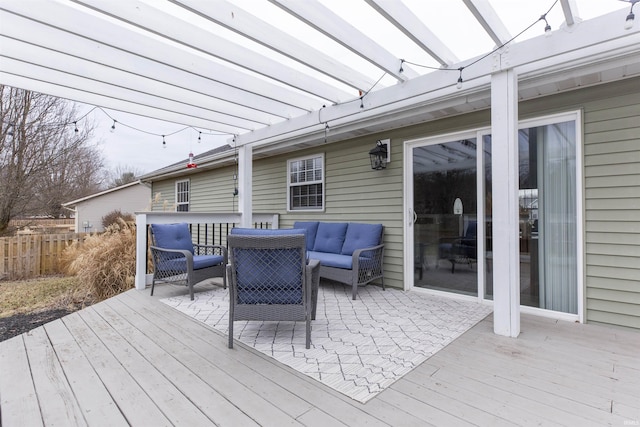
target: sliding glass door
445 216
451 196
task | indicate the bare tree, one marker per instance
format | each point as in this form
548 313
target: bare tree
43 159
121 175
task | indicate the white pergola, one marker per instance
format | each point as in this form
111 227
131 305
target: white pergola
284 73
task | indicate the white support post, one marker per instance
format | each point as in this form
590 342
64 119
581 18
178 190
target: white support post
245 186
504 175
141 251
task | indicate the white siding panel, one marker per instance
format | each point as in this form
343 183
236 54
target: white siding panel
127 200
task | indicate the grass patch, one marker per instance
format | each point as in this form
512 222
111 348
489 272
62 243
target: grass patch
46 293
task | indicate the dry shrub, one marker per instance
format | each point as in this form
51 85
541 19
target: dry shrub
107 261
115 217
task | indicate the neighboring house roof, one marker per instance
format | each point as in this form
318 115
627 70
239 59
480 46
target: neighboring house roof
102 193
207 160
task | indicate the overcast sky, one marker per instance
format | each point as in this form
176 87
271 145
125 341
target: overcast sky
142 148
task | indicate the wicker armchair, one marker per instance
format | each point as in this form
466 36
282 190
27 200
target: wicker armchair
176 259
270 279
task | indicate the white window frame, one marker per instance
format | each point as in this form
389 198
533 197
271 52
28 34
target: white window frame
291 185
178 192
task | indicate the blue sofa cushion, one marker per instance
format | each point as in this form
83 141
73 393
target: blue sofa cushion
199 262
361 236
172 236
205 261
330 237
312 230
332 260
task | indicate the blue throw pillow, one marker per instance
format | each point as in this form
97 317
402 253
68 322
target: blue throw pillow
172 236
312 229
330 237
361 236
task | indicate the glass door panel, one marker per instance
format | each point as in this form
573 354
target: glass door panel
548 225
445 206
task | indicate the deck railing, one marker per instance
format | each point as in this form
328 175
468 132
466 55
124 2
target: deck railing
207 228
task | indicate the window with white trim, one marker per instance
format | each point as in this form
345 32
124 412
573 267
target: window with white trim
182 196
305 184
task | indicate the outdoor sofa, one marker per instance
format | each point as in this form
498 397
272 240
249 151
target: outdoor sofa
350 253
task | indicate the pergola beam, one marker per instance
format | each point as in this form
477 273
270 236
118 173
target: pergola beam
150 99
489 19
151 18
564 52
407 22
244 23
570 10
333 26
138 53
106 101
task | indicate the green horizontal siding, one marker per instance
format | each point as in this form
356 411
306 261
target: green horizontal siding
612 205
354 192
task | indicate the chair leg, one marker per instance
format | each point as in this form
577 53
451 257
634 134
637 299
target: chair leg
191 290
308 340
230 332
153 284
354 291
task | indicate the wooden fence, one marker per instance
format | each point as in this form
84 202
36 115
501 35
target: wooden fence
25 256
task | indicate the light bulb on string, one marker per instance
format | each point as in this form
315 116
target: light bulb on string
199 137
164 143
113 126
628 23
459 83
75 124
547 27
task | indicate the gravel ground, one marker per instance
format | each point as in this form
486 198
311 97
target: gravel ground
21 323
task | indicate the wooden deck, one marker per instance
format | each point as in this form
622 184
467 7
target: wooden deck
133 360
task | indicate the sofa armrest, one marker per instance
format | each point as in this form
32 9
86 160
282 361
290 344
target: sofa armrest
367 263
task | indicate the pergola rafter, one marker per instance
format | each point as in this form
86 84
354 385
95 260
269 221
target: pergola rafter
222 66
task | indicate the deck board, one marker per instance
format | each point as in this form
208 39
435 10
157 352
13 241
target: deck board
58 404
133 360
18 400
132 400
97 404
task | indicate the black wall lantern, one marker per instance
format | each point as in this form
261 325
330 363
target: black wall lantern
380 155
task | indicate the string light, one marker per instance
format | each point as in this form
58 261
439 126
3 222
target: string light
547 27
460 81
113 126
628 23
164 143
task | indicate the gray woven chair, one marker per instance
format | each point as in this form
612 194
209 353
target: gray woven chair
270 279
176 259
